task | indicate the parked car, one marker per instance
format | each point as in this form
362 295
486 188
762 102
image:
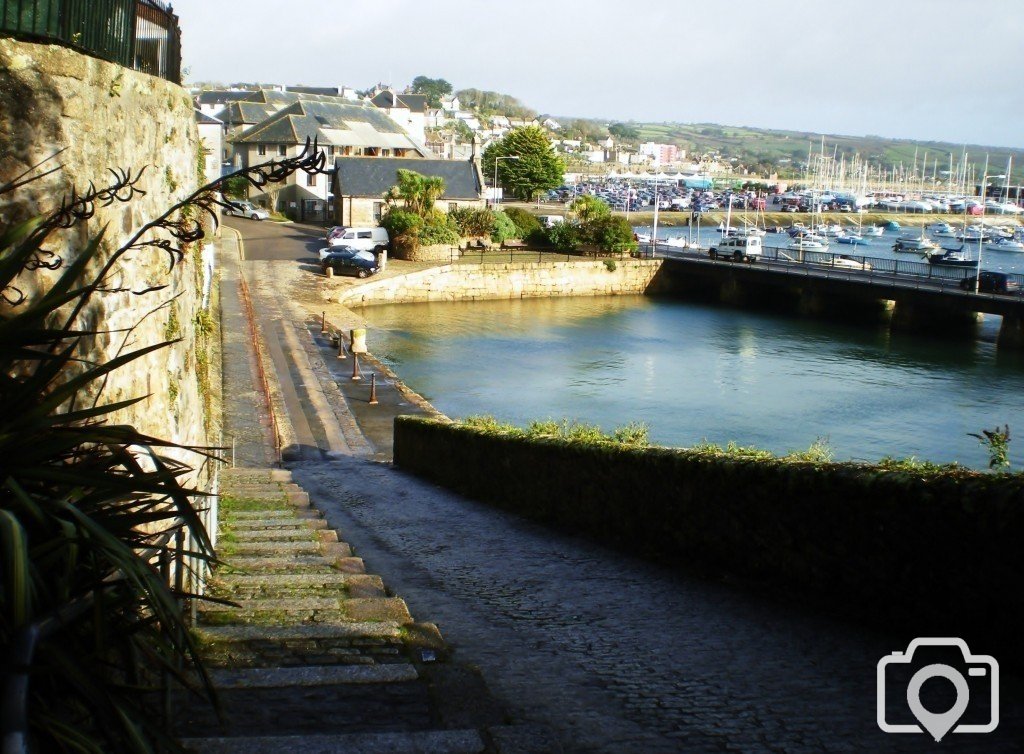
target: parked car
350 262
246 209
327 250
364 239
737 248
991 282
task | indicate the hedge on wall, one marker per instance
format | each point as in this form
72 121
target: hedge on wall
939 548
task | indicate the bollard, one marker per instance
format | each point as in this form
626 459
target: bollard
356 376
329 271
323 323
341 346
373 389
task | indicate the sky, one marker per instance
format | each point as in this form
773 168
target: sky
941 70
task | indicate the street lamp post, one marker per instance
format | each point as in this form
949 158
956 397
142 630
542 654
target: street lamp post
494 186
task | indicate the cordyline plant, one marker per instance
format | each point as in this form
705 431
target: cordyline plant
88 623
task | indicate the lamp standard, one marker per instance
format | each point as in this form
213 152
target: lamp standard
494 186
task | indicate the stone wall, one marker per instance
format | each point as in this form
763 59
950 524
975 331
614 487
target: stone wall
469 282
104 116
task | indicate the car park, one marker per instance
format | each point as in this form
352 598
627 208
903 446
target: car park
237 207
350 262
991 282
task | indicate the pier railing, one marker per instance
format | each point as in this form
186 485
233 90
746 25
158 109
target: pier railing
140 34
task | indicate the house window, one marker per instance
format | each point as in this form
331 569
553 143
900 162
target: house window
385 153
330 151
346 150
378 211
282 150
452 206
310 179
261 148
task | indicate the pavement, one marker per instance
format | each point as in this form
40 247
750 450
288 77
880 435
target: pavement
575 647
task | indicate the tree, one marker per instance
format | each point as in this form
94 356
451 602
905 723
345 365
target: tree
589 208
537 167
416 191
435 89
624 131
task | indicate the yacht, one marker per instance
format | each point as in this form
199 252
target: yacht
914 244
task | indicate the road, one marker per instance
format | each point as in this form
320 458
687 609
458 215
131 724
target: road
613 654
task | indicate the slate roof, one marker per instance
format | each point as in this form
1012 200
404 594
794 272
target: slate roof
205 120
334 123
222 96
417 103
328 91
243 113
372 176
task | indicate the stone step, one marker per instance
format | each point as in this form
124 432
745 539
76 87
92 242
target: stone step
417 742
228 476
275 524
283 513
270 586
306 547
312 675
306 609
276 535
298 579
309 633
296 564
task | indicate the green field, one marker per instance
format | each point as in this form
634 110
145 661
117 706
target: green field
760 148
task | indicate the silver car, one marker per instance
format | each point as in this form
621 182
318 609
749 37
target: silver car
246 209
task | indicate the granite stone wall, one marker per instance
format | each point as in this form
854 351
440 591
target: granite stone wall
87 116
469 282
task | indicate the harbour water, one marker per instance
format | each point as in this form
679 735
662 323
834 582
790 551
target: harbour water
696 372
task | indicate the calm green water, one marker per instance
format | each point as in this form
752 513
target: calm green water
695 372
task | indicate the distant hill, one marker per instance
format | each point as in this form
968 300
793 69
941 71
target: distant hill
767 147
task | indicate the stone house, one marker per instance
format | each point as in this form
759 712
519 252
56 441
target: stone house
360 184
407 110
340 128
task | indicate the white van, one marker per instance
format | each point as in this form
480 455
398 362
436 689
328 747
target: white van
738 248
550 221
364 239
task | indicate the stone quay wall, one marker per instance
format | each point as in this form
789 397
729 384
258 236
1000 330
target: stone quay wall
104 116
468 282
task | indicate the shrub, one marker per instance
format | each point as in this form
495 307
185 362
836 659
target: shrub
473 222
504 228
610 265
524 221
611 234
564 236
438 229
403 228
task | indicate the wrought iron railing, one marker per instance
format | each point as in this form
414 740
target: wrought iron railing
138 34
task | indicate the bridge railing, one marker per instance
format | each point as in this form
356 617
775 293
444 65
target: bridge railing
784 256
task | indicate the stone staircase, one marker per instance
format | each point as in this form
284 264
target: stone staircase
316 655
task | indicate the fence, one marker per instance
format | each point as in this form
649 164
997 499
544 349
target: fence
138 34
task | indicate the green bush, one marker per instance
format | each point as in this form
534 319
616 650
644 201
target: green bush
403 228
564 236
473 222
524 221
610 233
439 229
504 228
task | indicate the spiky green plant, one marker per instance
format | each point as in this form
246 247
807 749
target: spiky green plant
90 628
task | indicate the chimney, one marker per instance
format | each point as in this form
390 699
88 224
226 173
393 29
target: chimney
475 156
394 99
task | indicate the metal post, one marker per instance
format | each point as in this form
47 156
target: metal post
323 323
373 389
356 375
341 346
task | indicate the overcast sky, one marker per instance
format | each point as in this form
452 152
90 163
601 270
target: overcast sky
948 70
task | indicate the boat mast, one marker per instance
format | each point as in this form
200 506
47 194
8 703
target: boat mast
981 235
